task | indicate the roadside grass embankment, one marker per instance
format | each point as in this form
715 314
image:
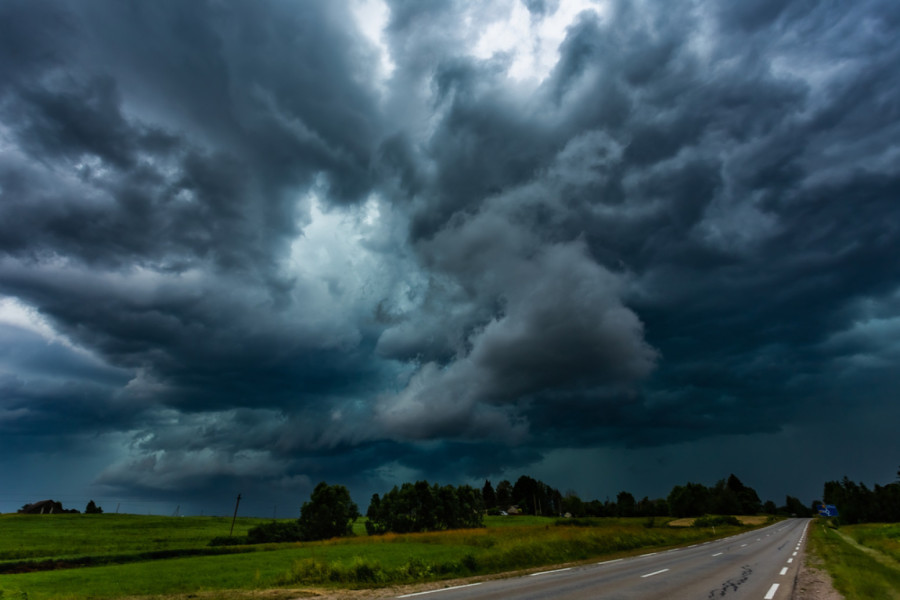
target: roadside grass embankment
863 560
505 544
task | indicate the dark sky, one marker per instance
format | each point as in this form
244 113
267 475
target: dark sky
249 246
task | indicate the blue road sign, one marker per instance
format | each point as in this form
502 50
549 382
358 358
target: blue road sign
828 510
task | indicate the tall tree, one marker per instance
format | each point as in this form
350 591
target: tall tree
488 495
690 500
329 513
504 494
572 504
625 504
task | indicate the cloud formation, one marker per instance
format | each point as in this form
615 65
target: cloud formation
268 243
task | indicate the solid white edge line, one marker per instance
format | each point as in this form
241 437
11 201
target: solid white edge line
548 572
654 573
771 593
455 587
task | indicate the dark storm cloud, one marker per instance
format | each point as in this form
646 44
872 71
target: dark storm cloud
705 188
271 259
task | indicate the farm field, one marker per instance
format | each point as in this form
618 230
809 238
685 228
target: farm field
115 556
863 560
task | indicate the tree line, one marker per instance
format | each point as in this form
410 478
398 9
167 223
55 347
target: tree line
53 507
726 497
422 506
856 503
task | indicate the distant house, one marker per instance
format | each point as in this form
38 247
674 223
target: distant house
513 510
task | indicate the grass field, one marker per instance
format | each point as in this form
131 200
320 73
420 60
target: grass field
72 535
745 519
163 557
863 560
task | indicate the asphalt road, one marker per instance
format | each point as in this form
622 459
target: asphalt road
757 565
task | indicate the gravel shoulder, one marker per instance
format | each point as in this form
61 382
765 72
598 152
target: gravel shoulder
813 582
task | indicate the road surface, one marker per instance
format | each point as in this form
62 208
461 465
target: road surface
758 565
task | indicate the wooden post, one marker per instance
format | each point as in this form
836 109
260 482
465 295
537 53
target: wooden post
236 504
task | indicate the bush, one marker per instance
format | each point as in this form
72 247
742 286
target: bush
274 532
469 562
712 521
228 540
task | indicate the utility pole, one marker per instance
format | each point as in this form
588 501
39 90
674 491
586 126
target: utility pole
236 504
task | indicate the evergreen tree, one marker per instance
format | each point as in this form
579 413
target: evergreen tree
488 495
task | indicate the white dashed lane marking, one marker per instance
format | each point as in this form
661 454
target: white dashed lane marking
553 571
654 573
456 587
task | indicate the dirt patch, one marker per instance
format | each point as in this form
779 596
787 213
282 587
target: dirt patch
813 582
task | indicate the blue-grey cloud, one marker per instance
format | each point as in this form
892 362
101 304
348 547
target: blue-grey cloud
265 244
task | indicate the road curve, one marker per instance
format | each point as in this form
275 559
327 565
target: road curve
756 565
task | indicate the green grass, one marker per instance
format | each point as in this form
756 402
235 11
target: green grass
883 537
854 558
73 535
506 543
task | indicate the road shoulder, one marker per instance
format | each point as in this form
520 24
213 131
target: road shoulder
813 582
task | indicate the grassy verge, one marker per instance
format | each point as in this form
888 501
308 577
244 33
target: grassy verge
859 570
504 544
883 537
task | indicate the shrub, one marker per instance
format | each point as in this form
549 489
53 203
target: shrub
274 532
228 540
712 521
